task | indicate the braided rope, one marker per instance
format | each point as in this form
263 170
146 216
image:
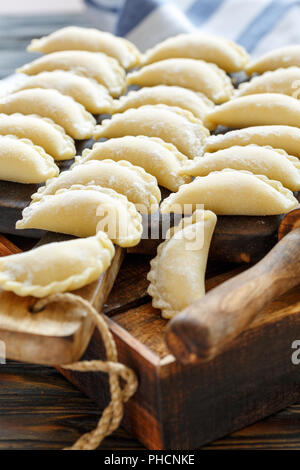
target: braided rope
113 413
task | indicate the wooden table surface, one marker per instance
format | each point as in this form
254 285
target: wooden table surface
39 409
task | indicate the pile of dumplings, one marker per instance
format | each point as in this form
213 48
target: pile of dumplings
158 135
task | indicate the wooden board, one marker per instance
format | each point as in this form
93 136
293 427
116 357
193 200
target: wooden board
59 333
236 239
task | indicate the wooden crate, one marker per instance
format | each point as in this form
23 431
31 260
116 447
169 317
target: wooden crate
185 406
176 406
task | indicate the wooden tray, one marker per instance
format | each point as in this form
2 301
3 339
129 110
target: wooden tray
176 406
185 406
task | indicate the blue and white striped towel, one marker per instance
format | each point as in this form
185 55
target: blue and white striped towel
258 25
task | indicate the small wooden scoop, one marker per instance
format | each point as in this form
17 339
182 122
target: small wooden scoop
205 328
60 333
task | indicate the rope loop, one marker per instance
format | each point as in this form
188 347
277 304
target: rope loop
113 413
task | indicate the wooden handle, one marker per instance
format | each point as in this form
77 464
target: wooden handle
203 329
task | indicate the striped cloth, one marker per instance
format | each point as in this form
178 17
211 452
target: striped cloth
258 25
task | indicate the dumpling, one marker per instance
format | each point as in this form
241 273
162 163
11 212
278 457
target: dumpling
171 124
273 163
276 59
23 162
232 192
56 267
86 91
88 39
62 109
284 137
177 275
102 68
285 81
228 55
41 131
197 103
158 158
138 186
84 210
187 73
256 110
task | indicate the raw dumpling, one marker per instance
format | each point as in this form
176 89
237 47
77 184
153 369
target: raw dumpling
88 39
276 59
171 124
138 186
197 103
56 267
23 162
256 110
83 211
158 158
41 131
273 163
187 73
232 192
177 275
62 109
284 137
228 55
102 68
285 81
86 91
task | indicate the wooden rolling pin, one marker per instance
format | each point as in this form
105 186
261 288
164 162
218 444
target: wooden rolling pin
205 328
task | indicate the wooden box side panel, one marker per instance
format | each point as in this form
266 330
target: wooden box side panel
255 378
183 407
142 413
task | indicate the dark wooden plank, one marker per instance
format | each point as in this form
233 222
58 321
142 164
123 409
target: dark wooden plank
145 323
130 288
39 409
278 432
236 239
